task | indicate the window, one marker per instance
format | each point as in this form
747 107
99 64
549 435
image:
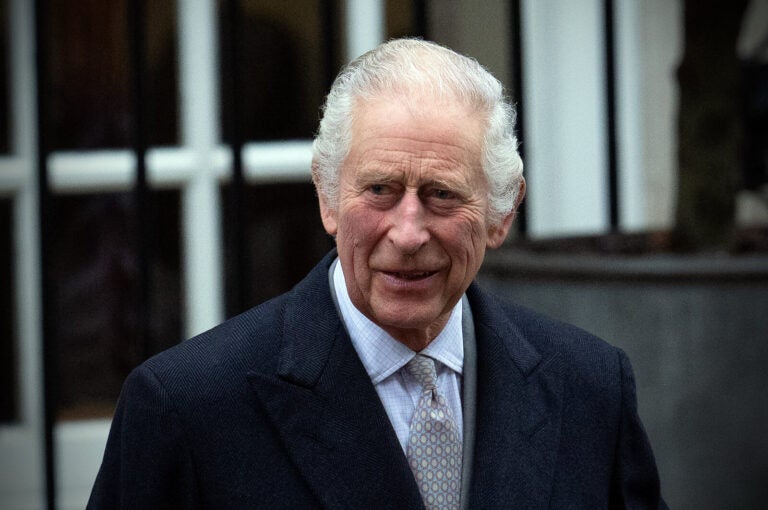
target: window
283 237
285 55
97 275
91 79
405 18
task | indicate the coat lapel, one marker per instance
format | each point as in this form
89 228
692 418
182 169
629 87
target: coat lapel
519 398
328 414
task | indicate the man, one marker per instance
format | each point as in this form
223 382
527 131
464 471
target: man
387 378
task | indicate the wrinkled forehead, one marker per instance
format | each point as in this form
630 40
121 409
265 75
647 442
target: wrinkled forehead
420 105
420 136
422 127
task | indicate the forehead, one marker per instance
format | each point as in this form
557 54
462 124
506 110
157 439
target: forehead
406 131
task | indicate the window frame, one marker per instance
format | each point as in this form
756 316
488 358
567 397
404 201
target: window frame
198 166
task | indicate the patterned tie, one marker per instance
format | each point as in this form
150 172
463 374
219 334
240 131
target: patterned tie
434 446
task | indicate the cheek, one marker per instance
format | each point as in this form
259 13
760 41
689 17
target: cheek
465 243
359 228
467 234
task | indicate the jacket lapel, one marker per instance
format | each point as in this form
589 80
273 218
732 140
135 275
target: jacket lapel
519 398
328 414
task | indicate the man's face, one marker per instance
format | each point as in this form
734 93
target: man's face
410 225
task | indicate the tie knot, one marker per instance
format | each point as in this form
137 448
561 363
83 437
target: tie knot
422 368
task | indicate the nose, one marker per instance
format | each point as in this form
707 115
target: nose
408 231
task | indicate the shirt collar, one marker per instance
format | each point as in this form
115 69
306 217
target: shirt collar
380 353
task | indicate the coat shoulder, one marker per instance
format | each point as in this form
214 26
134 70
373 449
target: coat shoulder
212 362
249 342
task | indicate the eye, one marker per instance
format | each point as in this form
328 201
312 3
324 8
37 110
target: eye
442 199
440 194
443 194
381 194
378 189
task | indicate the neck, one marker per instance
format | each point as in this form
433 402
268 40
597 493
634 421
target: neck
415 339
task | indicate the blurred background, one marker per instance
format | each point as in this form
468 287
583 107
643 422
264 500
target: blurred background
154 180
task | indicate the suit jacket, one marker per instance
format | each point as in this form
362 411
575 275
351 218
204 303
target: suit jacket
273 409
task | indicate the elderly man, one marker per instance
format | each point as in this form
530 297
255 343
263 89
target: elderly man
387 378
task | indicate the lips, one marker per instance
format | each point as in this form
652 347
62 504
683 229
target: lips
408 281
410 275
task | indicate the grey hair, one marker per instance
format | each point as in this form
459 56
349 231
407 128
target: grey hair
407 66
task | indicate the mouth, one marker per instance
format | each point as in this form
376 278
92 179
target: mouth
410 275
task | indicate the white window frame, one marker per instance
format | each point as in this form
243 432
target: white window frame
21 445
197 167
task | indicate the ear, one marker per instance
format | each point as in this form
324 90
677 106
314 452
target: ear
327 214
498 233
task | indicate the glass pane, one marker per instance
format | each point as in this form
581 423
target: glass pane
91 76
162 78
282 65
8 374
4 76
96 274
403 18
283 239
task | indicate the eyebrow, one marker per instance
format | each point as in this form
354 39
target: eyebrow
367 176
372 175
460 186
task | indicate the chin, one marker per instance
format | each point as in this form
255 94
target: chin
404 318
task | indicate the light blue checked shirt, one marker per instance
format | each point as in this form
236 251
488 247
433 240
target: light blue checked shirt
384 359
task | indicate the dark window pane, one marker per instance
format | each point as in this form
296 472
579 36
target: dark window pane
90 90
8 372
403 18
282 64
4 75
96 275
283 240
162 80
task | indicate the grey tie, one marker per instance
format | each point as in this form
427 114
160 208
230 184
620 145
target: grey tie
434 446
